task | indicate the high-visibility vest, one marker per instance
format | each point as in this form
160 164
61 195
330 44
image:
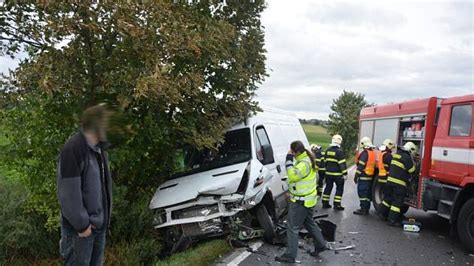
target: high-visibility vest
381 165
370 164
302 183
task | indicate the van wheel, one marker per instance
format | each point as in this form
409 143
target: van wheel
465 225
266 223
377 194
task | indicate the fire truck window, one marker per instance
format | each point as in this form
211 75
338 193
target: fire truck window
461 121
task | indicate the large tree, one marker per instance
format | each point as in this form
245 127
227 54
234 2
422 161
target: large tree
344 118
179 73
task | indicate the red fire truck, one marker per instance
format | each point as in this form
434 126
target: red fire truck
443 130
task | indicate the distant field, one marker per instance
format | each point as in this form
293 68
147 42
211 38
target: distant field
317 135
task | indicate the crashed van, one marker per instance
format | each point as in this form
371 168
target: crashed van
235 188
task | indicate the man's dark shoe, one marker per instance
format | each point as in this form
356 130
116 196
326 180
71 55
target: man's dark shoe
318 251
395 223
284 258
361 212
326 206
339 208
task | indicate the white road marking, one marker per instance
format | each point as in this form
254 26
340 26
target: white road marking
242 256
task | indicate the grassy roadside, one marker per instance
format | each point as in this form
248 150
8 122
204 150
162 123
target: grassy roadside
319 135
200 255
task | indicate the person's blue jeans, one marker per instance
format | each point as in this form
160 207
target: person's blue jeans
82 251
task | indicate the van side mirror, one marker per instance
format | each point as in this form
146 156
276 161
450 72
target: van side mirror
267 154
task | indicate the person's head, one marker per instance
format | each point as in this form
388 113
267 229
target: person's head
95 121
297 147
336 140
389 144
315 148
411 148
365 143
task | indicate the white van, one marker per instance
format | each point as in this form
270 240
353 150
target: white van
241 184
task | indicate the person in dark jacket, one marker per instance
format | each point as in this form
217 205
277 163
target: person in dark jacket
319 161
336 172
402 168
364 175
84 188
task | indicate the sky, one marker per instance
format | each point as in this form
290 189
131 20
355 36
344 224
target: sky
388 50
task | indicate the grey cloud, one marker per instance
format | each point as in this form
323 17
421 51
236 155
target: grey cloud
352 14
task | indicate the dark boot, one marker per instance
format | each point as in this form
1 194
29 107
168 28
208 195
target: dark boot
361 212
381 216
326 205
285 259
395 223
318 251
338 207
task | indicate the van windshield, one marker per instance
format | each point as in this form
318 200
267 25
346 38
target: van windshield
235 149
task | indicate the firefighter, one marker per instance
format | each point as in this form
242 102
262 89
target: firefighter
302 187
336 172
401 169
319 157
383 160
364 175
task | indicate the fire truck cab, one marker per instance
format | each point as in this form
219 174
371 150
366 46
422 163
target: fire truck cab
443 130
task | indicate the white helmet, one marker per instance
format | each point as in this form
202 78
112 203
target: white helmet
337 139
388 143
365 142
410 147
315 147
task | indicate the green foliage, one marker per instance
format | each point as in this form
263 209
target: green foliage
201 255
344 118
175 73
21 232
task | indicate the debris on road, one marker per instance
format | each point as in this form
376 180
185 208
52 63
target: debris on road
411 225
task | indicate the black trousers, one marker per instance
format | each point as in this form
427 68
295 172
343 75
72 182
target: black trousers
393 201
320 182
330 180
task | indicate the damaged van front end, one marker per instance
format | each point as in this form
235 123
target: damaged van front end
206 205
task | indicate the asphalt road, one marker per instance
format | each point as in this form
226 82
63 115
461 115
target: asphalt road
375 242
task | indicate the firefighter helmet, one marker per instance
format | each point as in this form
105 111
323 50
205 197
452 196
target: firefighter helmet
389 144
410 147
315 147
365 142
337 139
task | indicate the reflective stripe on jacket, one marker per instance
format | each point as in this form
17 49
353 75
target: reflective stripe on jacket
302 183
401 168
335 162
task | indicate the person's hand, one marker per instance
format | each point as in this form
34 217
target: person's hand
87 232
356 179
290 157
344 177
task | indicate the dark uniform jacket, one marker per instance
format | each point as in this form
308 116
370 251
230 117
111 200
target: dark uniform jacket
401 168
335 162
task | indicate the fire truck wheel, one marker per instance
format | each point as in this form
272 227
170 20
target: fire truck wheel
266 223
404 209
377 195
465 225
